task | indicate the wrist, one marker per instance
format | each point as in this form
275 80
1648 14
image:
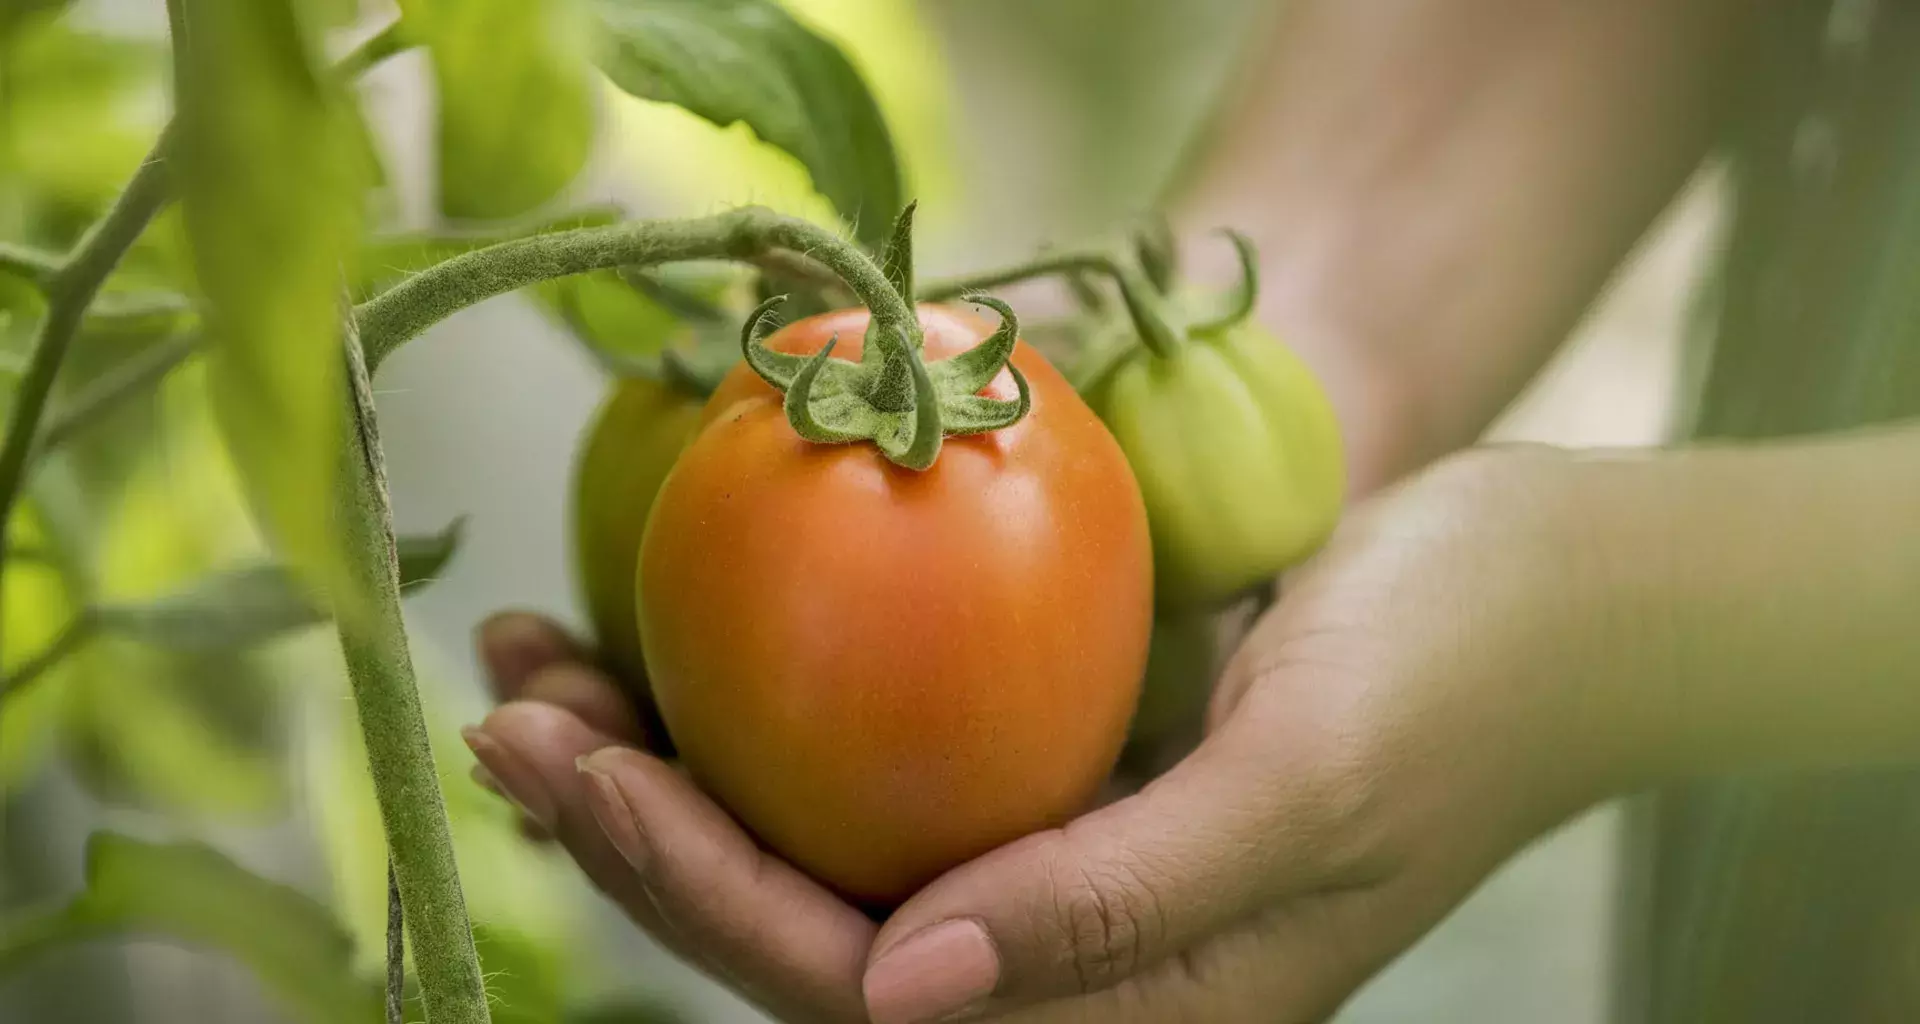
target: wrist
1758 606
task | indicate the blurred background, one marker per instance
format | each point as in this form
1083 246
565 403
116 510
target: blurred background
1021 122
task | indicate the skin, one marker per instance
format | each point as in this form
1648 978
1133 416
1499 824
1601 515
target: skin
843 649
1487 645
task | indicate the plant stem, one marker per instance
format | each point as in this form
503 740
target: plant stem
72 638
70 289
1052 264
396 950
380 667
36 266
1142 301
748 235
105 395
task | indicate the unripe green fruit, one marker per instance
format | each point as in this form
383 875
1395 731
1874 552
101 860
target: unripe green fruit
1238 457
632 444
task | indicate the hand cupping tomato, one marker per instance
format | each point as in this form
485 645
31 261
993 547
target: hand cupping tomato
895 595
886 672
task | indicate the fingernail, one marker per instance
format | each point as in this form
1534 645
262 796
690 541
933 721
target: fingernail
934 974
512 778
484 779
616 816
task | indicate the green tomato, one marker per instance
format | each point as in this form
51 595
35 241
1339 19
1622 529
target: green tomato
1238 458
634 441
1181 663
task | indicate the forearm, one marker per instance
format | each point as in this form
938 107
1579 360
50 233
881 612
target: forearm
1765 608
1440 188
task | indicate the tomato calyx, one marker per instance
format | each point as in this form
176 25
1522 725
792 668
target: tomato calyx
892 397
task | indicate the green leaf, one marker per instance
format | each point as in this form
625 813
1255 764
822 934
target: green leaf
749 61
38 604
16 13
516 117
73 127
422 556
629 320
190 892
272 170
197 733
607 315
253 604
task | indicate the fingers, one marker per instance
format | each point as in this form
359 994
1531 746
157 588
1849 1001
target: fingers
781 937
1083 908
531 751
678 865
529 657
514 646
1293 965
589 695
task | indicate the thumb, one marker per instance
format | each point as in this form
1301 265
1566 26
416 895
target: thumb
1237 825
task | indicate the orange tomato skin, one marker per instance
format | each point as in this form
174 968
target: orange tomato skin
885 673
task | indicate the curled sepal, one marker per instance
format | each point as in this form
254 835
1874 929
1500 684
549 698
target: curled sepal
800 401
1248 292
975 368
927 429
978 414
1159 255
901 404
896 261
779 369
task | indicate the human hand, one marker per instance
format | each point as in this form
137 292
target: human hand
1408 715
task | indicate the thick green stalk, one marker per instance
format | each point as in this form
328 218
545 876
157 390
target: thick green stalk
397 315
374 641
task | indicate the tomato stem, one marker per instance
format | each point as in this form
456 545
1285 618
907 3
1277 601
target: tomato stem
1248 292
1144 305
746 235
891 397
1159 254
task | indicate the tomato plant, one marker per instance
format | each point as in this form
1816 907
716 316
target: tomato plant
894 568
867 663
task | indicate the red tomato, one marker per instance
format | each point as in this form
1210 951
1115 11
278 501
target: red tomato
884 673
